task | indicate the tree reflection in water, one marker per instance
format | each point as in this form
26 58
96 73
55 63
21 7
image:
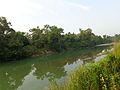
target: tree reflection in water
50 67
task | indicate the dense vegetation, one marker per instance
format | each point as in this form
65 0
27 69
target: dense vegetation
103 75
16 45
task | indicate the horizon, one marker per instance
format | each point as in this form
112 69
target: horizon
101 16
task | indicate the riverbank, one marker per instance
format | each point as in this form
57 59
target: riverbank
48 52
103 75
107 44
43 53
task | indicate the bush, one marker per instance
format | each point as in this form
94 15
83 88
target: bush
103 75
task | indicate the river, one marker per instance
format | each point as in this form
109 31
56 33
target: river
37 73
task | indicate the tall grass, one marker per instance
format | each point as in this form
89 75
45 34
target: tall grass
103 75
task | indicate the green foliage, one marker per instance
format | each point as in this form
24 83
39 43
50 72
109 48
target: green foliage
107 39
116 38
103 75
17 45
49 37
5 28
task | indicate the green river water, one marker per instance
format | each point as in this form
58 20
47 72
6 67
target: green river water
37 73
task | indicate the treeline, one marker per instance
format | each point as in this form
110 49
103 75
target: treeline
16 45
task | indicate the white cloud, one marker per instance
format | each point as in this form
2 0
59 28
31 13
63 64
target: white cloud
34 5
83 7
15 7
38 12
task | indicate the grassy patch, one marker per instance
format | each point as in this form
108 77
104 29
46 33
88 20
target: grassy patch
103 75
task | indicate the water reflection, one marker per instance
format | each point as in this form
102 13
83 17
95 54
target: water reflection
11 77
37 73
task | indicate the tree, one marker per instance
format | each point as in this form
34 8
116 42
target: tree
13 45
37 37
54 37
17 45
87 37
5 28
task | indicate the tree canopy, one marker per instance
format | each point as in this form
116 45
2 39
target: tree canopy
16 45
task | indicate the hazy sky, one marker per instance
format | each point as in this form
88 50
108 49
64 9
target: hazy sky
103 16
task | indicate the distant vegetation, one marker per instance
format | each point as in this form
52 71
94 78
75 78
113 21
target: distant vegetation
103 75
16 45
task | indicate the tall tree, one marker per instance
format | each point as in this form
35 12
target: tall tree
5 28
